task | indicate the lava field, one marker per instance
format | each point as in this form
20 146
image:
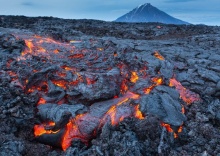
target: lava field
95 88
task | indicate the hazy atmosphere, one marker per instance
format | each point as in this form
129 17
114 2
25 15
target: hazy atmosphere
193 11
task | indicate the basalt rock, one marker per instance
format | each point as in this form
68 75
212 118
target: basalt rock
164 107
103 88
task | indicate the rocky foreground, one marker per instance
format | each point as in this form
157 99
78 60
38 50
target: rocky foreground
107 55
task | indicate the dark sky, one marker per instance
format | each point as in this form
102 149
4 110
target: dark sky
193 11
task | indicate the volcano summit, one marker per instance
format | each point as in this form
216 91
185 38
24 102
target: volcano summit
149 13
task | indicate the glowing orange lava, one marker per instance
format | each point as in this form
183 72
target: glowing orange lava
66 68
169 129
60 83
41 101
89 81
112 113
138 113
134 77
13 75
72 130
75 56
46 48
185 94
56 51
158 55
157 82
124 87
40 129
100 49
30 46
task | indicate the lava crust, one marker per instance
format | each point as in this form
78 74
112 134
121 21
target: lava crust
86 87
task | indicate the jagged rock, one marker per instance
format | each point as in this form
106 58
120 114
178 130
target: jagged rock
40 76
166 69
215 68
213 108
55 93
14 148
10 44
96 72
209 75
54 112
218 86
164 107
214 57
102 86
164 89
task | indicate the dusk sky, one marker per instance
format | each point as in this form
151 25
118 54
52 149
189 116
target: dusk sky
193 11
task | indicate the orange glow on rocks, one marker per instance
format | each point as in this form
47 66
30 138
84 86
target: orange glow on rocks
138 113
40 129
169 129
62 74
116 96
46 47
76 56
56 51
68 75
167 126
89 81
185 94
183 110
12 74
124 86
67 68
132 95
157 82
100 49
134 77
148 90
41 101
60 83
112 113
158 55
75 41
72 129
30 46
41 49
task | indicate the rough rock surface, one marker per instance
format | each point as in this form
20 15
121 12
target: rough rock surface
191 53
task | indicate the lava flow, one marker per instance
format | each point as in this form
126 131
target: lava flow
185 94
156 82
158 55
81 90
115 113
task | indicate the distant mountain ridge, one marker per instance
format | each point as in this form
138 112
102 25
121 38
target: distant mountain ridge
149 13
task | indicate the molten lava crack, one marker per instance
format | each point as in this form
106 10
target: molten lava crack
80 89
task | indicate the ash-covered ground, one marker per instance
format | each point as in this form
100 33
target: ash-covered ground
106 54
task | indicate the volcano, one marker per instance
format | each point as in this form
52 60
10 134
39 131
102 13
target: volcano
148 13
86 87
